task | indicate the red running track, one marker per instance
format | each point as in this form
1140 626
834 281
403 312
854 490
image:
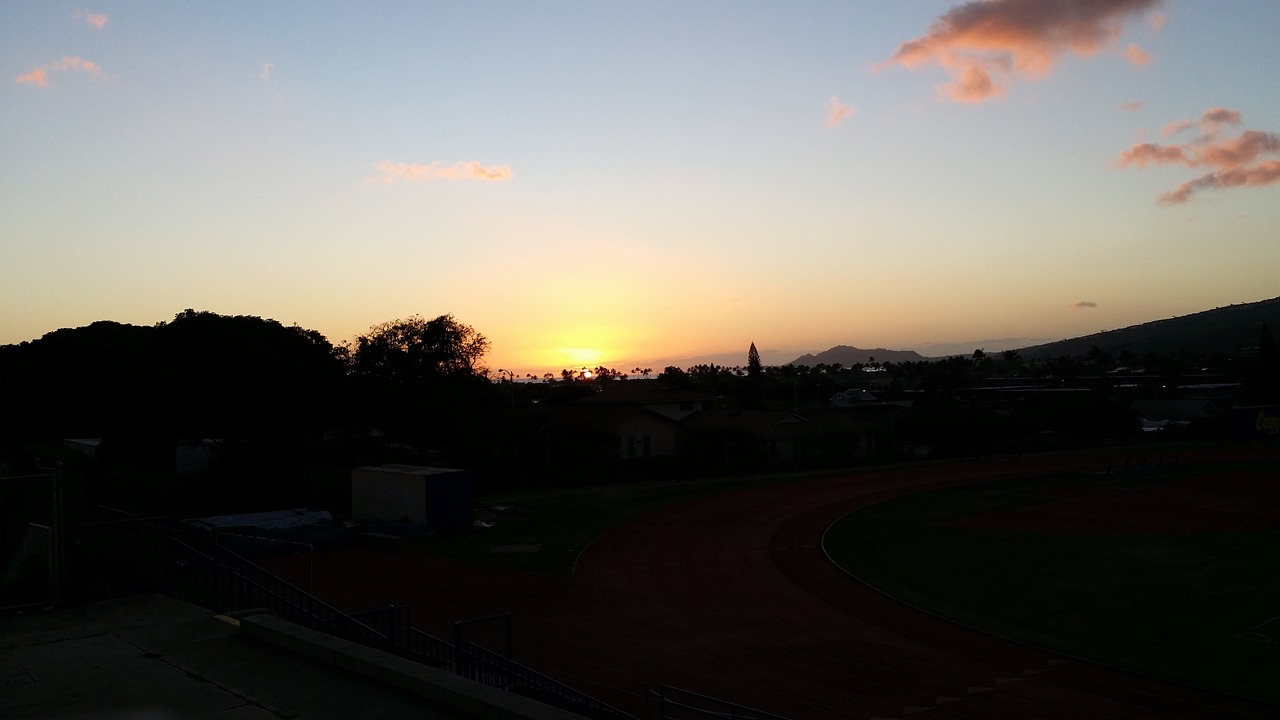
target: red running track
732 596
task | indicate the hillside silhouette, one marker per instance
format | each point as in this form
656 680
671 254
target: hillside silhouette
1221 331
848 355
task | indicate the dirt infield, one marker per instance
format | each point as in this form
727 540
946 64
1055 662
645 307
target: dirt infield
732 596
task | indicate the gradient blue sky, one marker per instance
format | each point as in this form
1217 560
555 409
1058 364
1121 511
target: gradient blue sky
641 183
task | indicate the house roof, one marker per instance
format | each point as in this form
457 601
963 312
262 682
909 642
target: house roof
781 423
641 392
586 418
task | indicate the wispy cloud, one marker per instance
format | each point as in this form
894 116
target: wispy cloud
265 74
1137 56
837 111
416 172
1250 159
1082 305
1132 105
1214 118
984 44
1264 173
98 20
39 76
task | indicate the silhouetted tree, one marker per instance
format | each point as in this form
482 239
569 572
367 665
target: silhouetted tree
1100 359
754 368
421 379
675 376
602 375
243 377
414 348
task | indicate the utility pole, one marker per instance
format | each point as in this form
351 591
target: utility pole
511 382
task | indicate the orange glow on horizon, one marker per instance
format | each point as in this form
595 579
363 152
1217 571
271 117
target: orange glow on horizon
580 356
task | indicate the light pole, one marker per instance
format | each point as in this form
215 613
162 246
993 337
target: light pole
511 380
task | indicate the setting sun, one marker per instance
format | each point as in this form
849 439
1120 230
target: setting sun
798 195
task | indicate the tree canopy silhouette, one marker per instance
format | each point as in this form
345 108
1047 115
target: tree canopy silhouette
411 348
418 379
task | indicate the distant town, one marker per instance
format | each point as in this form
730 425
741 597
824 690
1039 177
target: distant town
211 413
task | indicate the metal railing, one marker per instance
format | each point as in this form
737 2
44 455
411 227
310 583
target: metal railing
30 530
146 554
225 582
395 623
496 670
664 702
30 577
114 557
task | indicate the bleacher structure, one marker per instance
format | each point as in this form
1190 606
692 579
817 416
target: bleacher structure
54 563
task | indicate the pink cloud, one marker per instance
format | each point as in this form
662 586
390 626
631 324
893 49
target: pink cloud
418 172
40 76
1142 154
1214 118
1132 105
98 20
1083 304
1264 173
1246 160
984 43
1156 20
1233 153
837 111
972 84
1137 56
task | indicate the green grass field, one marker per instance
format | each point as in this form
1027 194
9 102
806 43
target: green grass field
1177 606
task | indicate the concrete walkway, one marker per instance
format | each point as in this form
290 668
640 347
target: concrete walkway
157 658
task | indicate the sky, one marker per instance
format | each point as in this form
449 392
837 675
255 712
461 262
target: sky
641 184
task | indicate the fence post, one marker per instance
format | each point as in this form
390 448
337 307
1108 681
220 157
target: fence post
459 663
56 551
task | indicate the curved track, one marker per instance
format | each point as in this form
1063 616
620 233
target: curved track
732 596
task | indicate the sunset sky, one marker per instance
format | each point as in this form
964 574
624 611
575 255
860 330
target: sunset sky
642 183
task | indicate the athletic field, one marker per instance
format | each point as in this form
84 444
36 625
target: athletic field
732 595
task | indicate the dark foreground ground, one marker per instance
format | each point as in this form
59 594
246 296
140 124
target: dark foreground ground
155 658
732 596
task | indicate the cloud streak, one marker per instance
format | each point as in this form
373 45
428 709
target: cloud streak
1137 56
1083 305
39 76
1250 159
391 173
98 20
837 111
984 44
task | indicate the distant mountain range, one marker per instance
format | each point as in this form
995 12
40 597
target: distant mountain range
1222 330
848 355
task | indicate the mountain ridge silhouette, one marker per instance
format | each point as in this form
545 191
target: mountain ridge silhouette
1225 330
